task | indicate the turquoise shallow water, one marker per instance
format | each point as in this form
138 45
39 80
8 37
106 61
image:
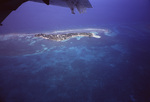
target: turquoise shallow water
114 68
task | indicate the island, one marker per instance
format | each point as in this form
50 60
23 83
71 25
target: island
62 37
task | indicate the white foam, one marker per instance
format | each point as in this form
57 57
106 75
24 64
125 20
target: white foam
94 34
80 30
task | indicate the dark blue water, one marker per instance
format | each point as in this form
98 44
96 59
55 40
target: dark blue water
114 68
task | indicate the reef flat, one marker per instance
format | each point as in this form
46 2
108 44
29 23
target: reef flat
62 37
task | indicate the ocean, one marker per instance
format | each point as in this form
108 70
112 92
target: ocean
112 68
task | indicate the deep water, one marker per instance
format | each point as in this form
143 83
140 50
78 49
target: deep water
114 68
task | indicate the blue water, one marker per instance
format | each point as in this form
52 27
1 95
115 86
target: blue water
34 17
114 68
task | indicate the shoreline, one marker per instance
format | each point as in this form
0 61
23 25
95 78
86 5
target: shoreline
62 37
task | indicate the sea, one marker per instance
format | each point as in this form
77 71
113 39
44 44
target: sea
112 68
